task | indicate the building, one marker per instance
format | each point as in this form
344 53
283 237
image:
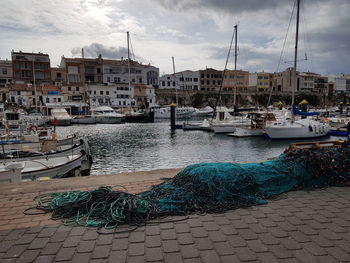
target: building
58 76
210 79
238 79
6 75
31 67
260 81
23 94
113 95
312 82
184 80
340 83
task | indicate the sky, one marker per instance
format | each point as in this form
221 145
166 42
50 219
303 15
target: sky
196 32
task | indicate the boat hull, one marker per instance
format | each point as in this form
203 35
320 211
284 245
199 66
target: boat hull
246 132
108 119
289 132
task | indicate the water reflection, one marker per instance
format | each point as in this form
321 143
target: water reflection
137 147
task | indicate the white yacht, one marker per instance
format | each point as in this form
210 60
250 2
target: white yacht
62 116
224 122
105 114
182 112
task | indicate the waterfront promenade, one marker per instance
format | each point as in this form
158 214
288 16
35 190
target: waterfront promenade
298 226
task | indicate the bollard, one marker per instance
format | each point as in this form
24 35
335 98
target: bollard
172 116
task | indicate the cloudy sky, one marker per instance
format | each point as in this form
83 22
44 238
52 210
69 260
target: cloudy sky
196 32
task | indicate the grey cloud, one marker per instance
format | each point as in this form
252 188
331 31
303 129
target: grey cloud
95 49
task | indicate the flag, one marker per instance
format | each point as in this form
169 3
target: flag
55 122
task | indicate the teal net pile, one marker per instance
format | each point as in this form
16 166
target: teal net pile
204 187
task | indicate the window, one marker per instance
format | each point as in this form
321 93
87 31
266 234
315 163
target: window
195 79
77 88
101 92
108 79
163 83
59 75
59 99
98 71
47 100
107 92
4 71
69 88
94 92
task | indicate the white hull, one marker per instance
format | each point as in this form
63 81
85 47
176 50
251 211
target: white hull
223 128
108 119
84 120
246 132
202 126
297 131
180 113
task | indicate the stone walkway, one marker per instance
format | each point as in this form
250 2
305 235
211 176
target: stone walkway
299 227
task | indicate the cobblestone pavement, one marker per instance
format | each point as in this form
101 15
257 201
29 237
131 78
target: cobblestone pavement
299 227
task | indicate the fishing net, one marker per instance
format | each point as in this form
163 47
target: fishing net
204 187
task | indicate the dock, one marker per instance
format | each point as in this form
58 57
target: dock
298 226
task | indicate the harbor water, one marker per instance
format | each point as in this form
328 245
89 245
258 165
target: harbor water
133 147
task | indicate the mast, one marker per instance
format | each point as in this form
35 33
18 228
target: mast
34 83
129 85
234 74
175 80
296 52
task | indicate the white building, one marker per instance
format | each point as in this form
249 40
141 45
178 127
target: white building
341 83
184 80
113 95
6 75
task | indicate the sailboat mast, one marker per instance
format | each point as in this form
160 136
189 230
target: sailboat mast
175 80
296 52
129 84
234 74
34 83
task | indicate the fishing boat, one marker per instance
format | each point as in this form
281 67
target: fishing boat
62 117
83 119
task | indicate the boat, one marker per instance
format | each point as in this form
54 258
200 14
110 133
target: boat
62 117
106 115
73 160
203 112
297 129
35 118
338 122
199 125
83 119
180 113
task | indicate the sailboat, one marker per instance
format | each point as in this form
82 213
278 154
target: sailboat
291 128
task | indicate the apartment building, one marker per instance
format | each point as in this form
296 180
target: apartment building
6 75
210 79
183 80
30 67
260 81
236 79
340 83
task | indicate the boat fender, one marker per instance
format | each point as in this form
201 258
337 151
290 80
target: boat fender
310 128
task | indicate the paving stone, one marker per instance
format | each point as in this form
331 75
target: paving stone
257 246
136 237
189 251
44 259
222 221
216 236
239 224
26 239
136 249
258 229
15 234
59 237
315 249
294 220
280 251
185 239
223 248
242 211
120 244
329 234
28 256
34 230
77 231
230 259
86 246
47 232
207 218
38 243
152 230
153 241
154 254
173 258
265 222
15 251
51 249
199 232
90 235
339 254
268 257
65 254
228 230
211 226
276 218
335 228
299 236
170 246
258 214
166 225
135 259
326 259
209 256
204 244
104 240
83 257
268 239
314 224
194 223
322 241
182 228
304 256
245 254
232 215
101 252
290 243
63 228
307 230
116 256
236 241
286 226
192 260
247 234
71 241
249 219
